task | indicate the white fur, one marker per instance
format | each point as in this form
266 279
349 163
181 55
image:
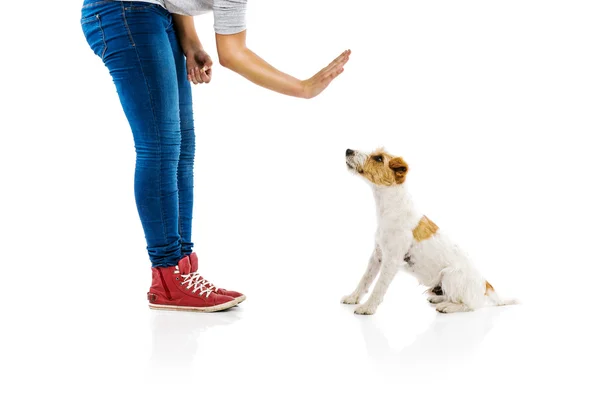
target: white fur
436 260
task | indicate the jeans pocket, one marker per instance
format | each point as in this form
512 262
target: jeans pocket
94 34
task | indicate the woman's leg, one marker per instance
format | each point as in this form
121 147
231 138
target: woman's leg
137 52
185 170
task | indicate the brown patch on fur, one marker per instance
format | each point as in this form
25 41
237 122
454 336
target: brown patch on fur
425 229
382 168
488 287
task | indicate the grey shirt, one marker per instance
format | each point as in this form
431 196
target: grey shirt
229 15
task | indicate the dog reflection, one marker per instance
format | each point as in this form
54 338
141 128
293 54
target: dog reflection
448 340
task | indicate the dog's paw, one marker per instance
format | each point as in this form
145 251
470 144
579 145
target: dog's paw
436 299
351 299
449 307
443 307
365 309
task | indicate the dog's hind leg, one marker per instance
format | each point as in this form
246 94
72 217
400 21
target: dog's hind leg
450 307
436 299
463 290
363 286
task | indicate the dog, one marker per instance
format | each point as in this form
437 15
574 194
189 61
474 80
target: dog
409 240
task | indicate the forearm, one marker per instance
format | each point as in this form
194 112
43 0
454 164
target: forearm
254 68
234 55
186 33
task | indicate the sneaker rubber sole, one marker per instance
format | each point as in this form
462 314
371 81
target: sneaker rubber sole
209 309
240 299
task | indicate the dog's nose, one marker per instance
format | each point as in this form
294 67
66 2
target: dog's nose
349 152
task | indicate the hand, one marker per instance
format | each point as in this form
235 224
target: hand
319 82
199 66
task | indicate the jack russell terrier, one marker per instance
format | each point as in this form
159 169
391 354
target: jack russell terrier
407 239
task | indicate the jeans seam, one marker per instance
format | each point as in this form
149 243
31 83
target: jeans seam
160 185
103 37
96 3
140 8
87 20
128 30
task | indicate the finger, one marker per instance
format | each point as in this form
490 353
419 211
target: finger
332 65
329 70
344 59
343 56
343 62
204 76
333 62
332 75
340 57
197 75
206 72
191 74
340 60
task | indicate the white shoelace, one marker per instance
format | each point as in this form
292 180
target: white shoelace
210 286
194 280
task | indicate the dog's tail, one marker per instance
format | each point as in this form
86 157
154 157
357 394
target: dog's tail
491 293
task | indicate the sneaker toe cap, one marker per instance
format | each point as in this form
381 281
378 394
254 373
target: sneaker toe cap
221 299
231 293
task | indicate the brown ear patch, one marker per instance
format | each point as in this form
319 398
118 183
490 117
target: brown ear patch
400 168
425 229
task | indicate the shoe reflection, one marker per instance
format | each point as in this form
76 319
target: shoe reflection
177 336
450 339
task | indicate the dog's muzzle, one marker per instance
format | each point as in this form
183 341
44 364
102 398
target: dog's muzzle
349 159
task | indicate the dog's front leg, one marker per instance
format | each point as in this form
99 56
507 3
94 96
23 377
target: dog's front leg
389 269
367 279
394 248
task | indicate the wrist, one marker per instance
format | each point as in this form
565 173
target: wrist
302 90
191 46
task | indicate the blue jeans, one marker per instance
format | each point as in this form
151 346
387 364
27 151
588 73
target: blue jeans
137 43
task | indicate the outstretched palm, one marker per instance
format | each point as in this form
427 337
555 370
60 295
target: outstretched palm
319 82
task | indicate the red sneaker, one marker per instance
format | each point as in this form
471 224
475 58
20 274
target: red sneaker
178 288
239 297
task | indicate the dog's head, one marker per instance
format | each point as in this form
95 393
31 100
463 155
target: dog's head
379 168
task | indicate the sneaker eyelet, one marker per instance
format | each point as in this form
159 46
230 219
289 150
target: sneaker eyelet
177 278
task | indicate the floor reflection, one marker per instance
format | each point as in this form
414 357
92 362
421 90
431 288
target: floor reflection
450 339
176 336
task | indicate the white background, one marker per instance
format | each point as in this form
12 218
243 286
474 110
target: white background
493 104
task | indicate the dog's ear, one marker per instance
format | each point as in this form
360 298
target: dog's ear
400 168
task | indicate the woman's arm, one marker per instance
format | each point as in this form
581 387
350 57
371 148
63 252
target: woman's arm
234 55
199 64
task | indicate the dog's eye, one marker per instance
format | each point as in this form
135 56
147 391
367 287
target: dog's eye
378 159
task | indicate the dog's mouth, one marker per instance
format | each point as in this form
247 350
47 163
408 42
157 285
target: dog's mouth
353 168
